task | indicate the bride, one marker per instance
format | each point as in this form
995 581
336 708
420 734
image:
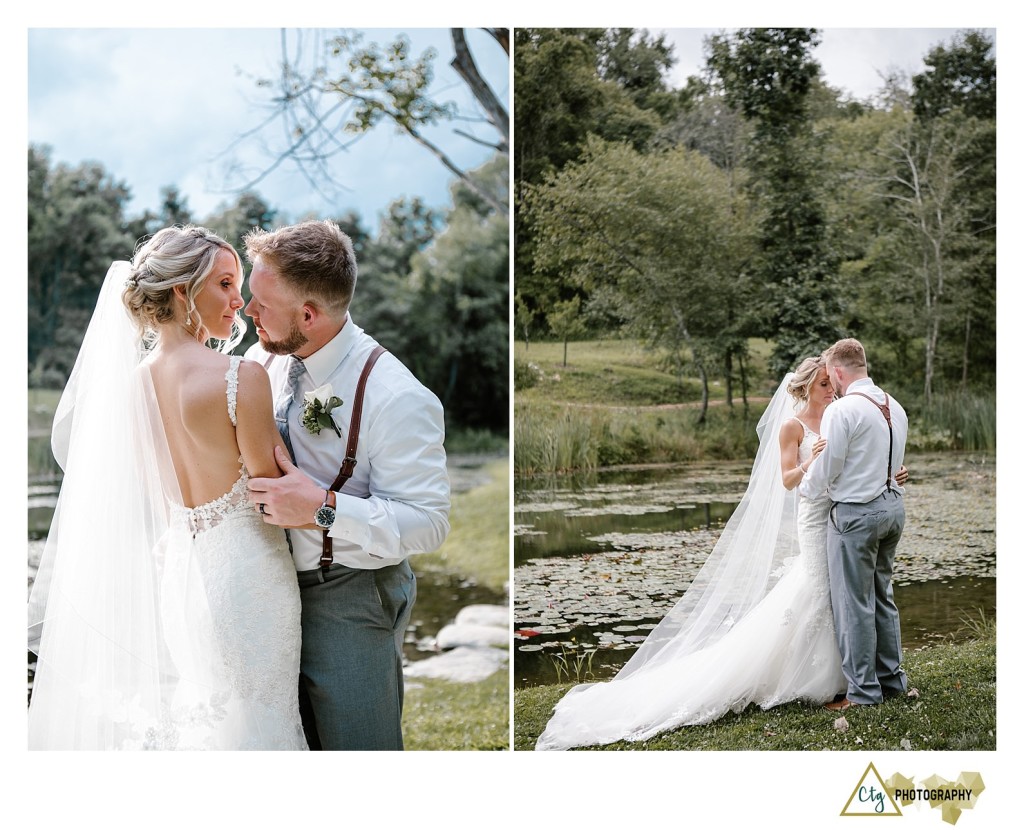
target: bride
165 613
756 624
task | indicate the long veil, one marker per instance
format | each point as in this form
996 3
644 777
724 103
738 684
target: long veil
98 616
745 562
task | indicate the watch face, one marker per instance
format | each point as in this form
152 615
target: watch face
325 516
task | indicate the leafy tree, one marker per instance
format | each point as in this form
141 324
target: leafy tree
76 228
570 84
385 298
769 75
565 319
459 321
174 209
961 76
660 233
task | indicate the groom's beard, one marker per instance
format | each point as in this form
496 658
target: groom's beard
289 345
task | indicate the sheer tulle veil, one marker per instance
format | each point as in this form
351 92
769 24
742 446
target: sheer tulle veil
105 674
744 564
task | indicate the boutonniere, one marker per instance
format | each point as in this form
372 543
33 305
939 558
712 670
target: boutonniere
316 410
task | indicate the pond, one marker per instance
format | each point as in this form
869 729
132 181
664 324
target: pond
599 559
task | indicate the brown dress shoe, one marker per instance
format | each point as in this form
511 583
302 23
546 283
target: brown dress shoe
840 705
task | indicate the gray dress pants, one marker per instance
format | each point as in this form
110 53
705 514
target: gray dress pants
861 547
350 683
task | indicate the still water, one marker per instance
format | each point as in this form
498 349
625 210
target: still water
600 559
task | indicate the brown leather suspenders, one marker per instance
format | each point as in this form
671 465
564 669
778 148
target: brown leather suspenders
884 409
349 464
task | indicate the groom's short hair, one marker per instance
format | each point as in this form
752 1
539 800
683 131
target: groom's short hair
315 258
848 353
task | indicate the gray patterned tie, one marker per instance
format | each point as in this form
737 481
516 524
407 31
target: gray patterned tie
295 369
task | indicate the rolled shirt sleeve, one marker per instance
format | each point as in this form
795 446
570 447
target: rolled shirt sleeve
406 509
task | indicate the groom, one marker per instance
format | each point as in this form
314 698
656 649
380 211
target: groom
866 432
354 610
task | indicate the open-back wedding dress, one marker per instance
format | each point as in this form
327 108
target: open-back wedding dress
754 627
157 625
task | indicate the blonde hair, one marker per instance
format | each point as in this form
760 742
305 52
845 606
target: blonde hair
803 376
176 256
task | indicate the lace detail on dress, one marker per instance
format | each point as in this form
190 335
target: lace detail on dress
232 378
205 516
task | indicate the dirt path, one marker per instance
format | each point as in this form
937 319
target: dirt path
656 406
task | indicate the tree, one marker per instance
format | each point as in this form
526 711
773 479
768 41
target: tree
459 320
661 235
570 84
76 228
768 75
961 76
326 107
565 319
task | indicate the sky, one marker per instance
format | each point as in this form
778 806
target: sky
851 59
159 107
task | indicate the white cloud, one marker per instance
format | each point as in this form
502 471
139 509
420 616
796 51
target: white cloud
160 106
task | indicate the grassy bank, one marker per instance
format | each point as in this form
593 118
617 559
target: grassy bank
617 403
477 546
956 711
440 715
551 437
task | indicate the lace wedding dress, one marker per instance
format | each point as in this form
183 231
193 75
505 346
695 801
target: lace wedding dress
156 626
782 649
242 689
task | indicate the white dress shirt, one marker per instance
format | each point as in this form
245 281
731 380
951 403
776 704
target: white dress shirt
397 501
852 466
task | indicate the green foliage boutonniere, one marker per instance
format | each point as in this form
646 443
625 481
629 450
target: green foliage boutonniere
316 410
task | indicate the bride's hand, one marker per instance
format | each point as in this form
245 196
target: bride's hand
819 445
902 474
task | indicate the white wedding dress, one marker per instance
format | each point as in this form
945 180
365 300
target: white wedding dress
157 626
782 649
243 682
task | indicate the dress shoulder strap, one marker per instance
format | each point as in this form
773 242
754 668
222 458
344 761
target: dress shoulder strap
232 379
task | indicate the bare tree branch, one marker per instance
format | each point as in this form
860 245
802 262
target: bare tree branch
464 64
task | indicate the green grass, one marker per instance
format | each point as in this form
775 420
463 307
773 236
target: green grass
477 545
467 716
42 403
954 421
618 403
466 441
558 438
613 372
456 716
956 711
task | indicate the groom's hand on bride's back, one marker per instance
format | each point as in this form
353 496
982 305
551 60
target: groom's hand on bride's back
288 501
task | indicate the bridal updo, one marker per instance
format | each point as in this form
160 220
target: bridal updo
176 256
803 376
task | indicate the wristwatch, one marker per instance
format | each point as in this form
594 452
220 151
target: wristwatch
325 514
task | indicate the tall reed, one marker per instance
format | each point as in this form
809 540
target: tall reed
955 421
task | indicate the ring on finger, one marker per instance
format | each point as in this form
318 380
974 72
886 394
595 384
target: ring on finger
263 509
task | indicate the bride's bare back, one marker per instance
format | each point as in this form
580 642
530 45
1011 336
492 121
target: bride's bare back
191 388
